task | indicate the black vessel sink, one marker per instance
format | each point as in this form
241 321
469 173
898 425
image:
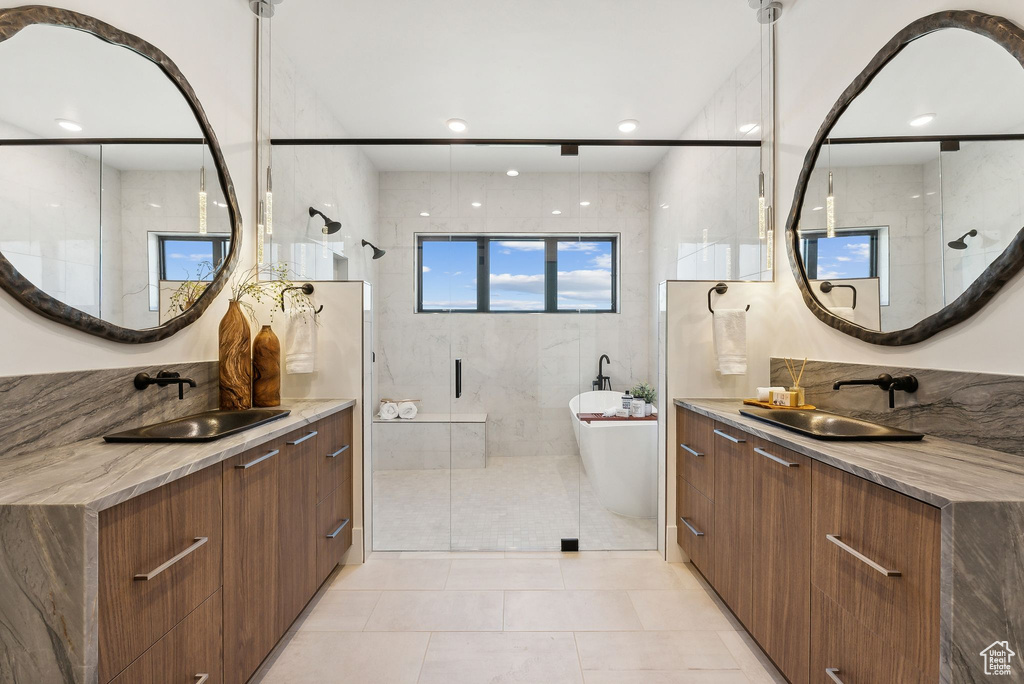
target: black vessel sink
822 425
202 427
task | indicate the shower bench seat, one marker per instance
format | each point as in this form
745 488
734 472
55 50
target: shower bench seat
430 441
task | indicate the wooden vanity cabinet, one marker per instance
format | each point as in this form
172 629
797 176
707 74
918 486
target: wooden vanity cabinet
733 519
781 556
695 527
252 561
695 451
159 559
296 503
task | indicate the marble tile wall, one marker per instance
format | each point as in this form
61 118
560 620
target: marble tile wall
520 369
975 408
40 411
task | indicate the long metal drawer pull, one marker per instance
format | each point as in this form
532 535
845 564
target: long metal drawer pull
832 673
772 457
732 439
261 459
696 532
336 532
338 452
695 453
201 678
300 440
834 538
197 542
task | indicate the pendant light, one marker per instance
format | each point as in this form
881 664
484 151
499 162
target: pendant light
830 201
259 235
769 259
202 199
269 204
762 209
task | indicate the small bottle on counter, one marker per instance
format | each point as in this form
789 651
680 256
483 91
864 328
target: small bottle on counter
627 401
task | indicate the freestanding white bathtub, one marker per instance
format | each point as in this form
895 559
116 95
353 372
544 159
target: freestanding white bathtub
620 457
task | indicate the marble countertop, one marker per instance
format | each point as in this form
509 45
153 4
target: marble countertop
97 475
936 471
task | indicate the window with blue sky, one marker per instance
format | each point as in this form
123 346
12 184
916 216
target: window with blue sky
517 273
189 258
847 255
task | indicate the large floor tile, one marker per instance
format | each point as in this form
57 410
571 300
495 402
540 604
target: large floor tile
679 610
751 658
504 574
662 677
501 658
338 611
403 575
667 651
569 611
620 573
344 657
437 611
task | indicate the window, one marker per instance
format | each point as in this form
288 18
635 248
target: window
853 253
521 273
182 255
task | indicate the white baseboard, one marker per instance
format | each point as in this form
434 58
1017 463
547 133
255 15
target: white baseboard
674 553
354 555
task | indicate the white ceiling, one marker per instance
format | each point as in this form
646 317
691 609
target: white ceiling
49 72
523 69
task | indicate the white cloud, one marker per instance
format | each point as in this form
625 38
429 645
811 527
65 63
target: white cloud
523 246
426 269
602 261
860 251
577 246
516 305
842 258
532 284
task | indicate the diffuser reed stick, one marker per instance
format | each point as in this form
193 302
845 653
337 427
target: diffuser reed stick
802 368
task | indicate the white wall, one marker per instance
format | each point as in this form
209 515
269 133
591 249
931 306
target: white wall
816 62
213 45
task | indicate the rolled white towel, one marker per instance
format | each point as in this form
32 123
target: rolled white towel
608 413
407 410
388 411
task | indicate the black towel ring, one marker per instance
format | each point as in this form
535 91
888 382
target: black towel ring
720 288
827 287
307 289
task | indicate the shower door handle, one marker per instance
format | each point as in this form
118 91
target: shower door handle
458 378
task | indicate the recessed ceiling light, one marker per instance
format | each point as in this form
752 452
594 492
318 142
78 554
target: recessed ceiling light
69 125
663 205
628 125
930 193
55 205
749 128
155 206
915 197
456 125
584 203
477 204
424 213
556 212
512 172
922 120
817 208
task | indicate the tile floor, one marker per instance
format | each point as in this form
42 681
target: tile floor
515 503
547 618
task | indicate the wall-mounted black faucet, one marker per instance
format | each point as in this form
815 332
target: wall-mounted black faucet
603 382
903 383
163 379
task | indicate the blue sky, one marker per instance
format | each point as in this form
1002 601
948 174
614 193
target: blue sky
517 274
844 257
182 258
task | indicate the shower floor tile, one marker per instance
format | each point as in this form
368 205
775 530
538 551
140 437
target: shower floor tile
515 503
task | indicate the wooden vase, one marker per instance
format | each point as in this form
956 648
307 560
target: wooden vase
266 368
235 360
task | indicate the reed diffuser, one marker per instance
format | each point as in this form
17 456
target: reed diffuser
791 367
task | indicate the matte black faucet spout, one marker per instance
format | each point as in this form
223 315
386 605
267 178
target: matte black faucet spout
162 379
887 383
603 382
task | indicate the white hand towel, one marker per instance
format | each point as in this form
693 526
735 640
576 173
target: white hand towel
388 410
731 341
843 312
608 413
300 343
407 410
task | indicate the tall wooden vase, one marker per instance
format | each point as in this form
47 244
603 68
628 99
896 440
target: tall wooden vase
266 368
235 360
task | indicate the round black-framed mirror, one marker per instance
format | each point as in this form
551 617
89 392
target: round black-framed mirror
821 291
206 286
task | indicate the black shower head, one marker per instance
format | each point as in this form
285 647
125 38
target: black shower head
377 252
961 242
331 226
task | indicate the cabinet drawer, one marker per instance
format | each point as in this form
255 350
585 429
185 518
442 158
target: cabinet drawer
875 554
334 452
159 559
734 518
296 505
695 527
186 654
334 530
696 451
840 645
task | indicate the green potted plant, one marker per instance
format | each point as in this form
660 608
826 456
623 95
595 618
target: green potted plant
643 390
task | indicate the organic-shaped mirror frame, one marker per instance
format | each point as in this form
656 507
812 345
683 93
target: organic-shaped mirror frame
11 22
1009 36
